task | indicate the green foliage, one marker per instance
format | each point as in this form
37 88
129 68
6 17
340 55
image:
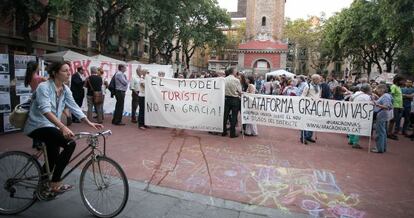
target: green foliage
405 61
182 24
203 27
29 14
306 35
370 32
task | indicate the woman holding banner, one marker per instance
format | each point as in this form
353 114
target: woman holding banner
251 129
363 95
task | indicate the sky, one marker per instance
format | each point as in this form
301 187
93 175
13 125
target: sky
301 8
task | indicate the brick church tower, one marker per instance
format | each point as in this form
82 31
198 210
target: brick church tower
263 51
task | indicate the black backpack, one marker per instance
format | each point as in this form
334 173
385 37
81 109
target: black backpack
112 86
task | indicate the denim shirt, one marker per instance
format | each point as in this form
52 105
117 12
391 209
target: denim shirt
45 100
301 87
384 114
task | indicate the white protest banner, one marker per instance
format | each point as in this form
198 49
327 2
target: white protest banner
308 114
196 104
110 68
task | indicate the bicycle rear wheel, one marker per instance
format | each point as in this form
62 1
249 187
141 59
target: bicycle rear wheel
104 187
19 180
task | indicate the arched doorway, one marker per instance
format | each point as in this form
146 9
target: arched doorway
261 66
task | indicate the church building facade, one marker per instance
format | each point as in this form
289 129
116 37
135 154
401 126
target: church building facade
263 51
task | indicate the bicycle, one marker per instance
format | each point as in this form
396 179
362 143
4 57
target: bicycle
24 181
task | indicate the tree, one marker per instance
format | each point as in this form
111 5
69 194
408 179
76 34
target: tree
161 19
306 36
397 27
202 27
370 32
108 13
29 16
181 25
405 61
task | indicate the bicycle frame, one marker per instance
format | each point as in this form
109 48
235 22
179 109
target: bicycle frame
92 145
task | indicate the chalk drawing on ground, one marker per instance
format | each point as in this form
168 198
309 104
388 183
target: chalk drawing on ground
262 180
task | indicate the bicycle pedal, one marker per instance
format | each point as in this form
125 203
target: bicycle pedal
46 195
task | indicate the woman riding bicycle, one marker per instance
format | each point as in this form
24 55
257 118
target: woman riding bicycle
48 102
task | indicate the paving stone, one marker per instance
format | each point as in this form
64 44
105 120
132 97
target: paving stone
175 214
189 208
220 212
249 215
154 206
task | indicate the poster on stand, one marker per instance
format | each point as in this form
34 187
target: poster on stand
4 83
8 127
4 64
24 98
5 104
20 65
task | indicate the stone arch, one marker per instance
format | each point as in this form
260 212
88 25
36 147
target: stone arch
254 63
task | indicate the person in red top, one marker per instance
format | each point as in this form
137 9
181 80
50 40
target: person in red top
32 76
33 79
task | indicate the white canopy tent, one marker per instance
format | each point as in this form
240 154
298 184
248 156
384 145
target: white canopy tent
134 62
67 55
104 58
280 73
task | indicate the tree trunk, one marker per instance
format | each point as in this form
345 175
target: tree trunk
388 65
152 55
28 43
379 67
369 68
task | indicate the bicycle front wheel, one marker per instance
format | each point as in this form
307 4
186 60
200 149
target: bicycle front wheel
104 187
19 180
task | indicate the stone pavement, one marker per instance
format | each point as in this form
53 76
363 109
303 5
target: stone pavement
155 202
273 170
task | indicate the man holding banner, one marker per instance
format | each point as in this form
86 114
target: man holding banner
313 90
232 92
134 86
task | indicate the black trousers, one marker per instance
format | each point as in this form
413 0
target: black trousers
231 104
79 101
54 140
119 106
141 114
134 104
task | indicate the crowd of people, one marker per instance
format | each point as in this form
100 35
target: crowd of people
393 114
52 97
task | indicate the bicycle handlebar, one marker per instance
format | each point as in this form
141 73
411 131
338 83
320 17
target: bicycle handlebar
81 135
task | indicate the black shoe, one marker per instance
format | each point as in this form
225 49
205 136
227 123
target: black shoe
234 136
119 124
357 146
75 121
311 140
224 134
393 137
303 142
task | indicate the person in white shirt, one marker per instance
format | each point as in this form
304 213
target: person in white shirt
232 92
135 91
332 82
360 96
141 101
313 90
